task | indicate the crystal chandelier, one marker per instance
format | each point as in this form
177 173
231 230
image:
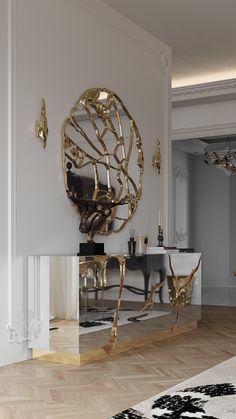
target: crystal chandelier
223 160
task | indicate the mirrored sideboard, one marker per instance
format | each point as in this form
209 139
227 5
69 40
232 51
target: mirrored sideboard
87 304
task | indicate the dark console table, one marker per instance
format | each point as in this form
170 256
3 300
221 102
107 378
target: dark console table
145 263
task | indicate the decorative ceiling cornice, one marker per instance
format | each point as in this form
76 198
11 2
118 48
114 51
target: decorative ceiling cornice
225 89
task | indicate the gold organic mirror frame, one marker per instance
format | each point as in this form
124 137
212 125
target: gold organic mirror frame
101 141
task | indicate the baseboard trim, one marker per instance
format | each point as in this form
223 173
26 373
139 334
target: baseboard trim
219 296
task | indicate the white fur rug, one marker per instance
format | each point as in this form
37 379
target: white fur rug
209 395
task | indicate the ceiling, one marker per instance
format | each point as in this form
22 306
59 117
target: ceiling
201 33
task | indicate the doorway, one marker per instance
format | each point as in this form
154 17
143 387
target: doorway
204 209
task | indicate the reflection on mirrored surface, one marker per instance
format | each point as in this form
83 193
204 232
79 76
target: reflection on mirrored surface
64 303
84 292
102 160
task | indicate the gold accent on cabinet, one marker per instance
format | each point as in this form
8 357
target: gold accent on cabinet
180 288
100 354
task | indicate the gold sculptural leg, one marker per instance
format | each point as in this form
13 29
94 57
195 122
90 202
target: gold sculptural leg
180 289
110 346
150 300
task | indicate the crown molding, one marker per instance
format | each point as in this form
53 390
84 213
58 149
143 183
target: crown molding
202 93
203 131
125 27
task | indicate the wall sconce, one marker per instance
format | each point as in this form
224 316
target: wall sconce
156 160
41 126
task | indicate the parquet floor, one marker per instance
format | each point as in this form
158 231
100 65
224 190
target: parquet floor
42 390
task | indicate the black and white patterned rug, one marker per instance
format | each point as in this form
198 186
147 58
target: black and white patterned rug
101 322
209 395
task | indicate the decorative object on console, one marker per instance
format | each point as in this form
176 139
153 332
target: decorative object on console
156 160
224 160
180 288
99 140
155 249
141 244
41 126
131 243
160 236
93 216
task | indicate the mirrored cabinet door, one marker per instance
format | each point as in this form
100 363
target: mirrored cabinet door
53 301
64 304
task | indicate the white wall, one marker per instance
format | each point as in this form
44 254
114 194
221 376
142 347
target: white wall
59 49
211 229
232 243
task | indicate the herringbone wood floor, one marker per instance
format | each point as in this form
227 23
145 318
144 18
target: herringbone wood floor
42 390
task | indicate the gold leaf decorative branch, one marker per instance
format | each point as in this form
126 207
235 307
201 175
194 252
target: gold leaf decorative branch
41 126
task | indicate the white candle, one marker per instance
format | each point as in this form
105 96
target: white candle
159 218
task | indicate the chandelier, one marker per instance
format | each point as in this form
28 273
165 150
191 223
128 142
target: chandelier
223 160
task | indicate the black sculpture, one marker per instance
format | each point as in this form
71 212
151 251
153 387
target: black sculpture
94 214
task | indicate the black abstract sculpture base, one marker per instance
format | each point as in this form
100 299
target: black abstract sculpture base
90 249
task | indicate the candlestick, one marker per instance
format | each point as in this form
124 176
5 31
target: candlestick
160 237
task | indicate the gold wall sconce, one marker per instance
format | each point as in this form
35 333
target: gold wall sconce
156 160
41 126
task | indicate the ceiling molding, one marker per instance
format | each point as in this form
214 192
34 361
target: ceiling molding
204 131
125 27
202 93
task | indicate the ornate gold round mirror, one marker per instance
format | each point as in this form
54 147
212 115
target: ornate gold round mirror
102 161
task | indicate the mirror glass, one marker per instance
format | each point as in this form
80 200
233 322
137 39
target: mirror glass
64 304
102 156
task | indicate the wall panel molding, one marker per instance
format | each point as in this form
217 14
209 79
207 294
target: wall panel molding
167 150
32 324
11 156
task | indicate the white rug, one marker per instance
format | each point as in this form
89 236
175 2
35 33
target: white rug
125 317
209 395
